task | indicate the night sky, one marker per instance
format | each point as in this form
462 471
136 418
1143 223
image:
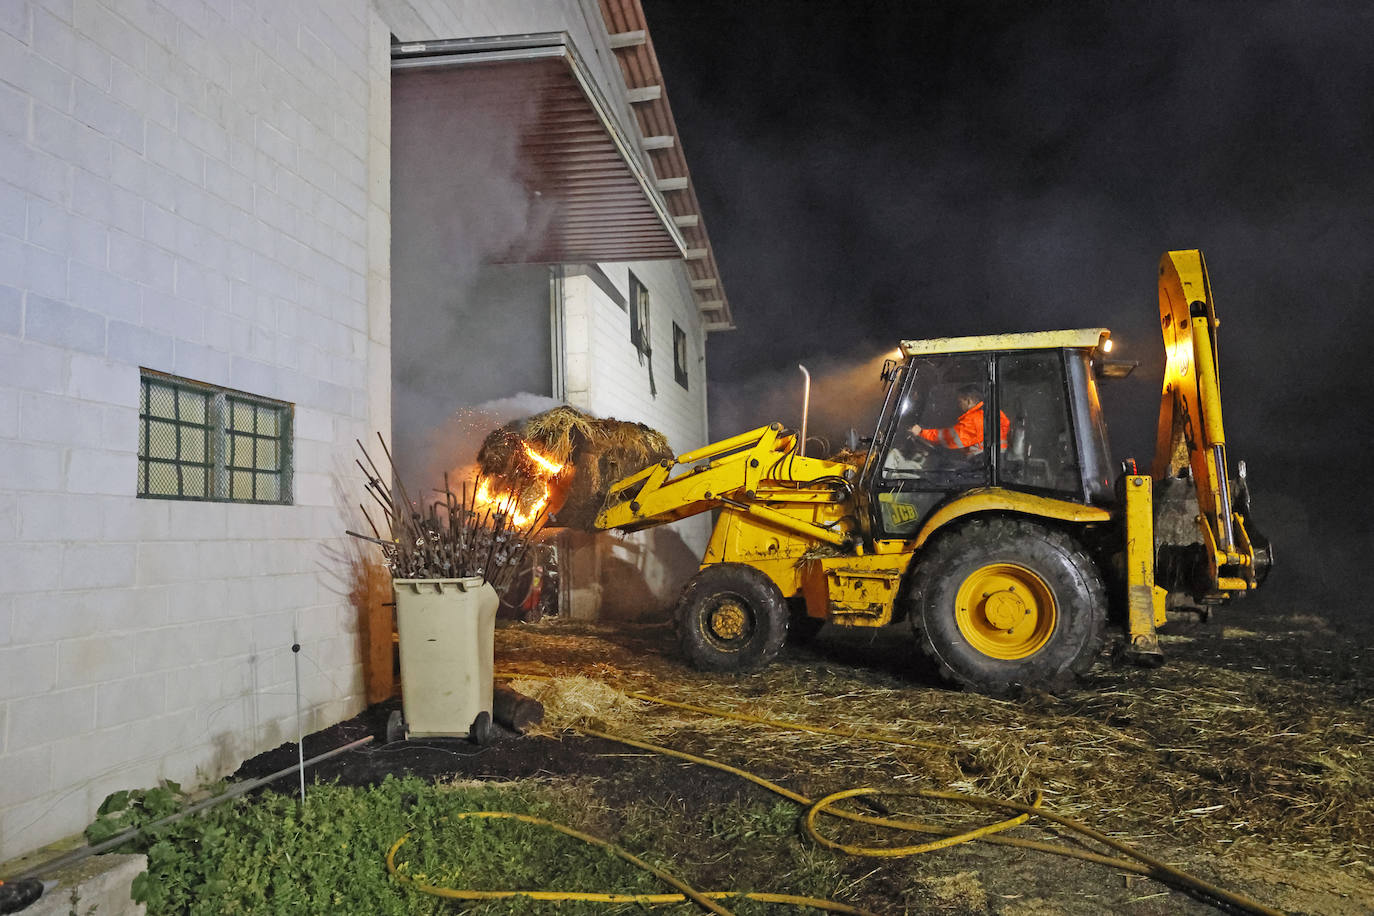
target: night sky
875 171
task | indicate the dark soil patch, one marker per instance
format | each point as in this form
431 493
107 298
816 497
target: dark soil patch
621 772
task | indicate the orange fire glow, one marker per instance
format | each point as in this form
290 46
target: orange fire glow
522 510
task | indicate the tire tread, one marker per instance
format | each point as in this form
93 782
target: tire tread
979 537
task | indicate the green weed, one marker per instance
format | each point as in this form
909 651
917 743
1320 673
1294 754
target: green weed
271 855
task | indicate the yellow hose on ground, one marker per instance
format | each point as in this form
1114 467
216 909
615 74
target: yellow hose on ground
822 806
1136 862
707 901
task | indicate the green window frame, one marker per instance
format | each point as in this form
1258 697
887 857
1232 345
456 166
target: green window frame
212 444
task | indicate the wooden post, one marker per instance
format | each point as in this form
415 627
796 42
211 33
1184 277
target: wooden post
371 597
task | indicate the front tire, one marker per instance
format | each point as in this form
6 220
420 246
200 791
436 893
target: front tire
731 618
1006 603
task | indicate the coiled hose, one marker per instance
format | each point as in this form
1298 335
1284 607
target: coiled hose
1130 860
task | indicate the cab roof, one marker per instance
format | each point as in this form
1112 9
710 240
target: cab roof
1081 338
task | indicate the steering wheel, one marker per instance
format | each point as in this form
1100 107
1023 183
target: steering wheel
922 446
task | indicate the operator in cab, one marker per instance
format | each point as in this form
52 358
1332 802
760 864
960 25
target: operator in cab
967 431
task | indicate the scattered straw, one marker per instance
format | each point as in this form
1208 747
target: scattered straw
572 701
963 890
1253 747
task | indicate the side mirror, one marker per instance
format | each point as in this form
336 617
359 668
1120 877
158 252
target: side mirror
889 365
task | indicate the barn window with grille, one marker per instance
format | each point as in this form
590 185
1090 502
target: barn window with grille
203 442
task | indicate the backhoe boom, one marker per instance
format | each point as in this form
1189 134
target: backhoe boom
1191 439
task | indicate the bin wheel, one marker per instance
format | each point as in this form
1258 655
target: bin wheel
482 732
395 727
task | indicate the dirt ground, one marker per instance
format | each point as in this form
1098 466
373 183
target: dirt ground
1247 760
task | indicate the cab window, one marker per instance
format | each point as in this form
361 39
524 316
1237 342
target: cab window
937 442
1040 453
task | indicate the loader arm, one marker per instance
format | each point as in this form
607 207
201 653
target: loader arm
756 472
1190 433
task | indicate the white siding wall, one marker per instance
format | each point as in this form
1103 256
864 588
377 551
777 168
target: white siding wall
618 380
607 377
183 187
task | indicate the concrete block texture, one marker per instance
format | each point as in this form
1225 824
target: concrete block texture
47 717
97 886
11 312
201 189
57 323
124 228
27 670
28 774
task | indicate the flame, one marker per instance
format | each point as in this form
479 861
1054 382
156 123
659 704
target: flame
548 464
545 469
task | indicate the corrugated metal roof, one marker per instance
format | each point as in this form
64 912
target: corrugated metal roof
634 49
591 196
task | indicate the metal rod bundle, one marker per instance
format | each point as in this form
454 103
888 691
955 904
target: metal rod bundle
451 537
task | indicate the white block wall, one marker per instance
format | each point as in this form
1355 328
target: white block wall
201 187
191 187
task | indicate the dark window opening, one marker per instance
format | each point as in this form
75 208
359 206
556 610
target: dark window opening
639 316
938 439
1040 453
679 355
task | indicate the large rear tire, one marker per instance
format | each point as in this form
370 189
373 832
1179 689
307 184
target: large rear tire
731 618
1007 603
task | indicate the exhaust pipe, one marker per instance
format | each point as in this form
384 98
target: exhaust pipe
806 408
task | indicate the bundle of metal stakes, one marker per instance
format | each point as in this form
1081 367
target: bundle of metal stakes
452 537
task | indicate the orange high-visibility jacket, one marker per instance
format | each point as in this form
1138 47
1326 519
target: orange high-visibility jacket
967 431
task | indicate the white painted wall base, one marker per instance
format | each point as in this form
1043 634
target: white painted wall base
96 886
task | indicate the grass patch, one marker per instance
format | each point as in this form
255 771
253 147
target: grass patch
268 854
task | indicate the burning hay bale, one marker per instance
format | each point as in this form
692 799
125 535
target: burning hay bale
572 456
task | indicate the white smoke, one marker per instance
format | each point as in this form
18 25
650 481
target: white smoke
452 446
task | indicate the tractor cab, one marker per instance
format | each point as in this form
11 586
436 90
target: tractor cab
1018 412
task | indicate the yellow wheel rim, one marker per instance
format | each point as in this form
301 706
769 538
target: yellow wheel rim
728 621
1006 611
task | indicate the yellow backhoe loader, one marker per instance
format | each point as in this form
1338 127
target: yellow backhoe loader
986 510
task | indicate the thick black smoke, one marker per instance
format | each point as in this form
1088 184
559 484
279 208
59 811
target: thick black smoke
876 171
